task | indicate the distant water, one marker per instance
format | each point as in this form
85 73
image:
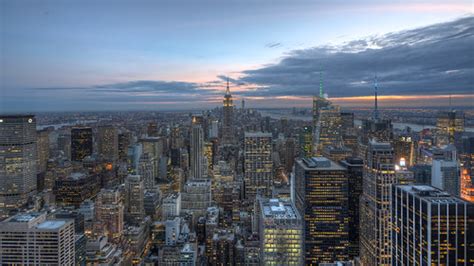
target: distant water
56 126
396 125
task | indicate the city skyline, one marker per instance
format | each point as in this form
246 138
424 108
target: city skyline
157 56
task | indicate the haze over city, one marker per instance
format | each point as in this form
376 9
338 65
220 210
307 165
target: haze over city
158 55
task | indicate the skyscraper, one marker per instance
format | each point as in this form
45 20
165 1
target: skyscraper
321 197
108 142
445 176
197 148
81 143
467 169
306 141
430 227
354 168
31 239
258 164
134 199
109 214
42 150
18 161
447 125
227 125
280 230
328 129
378 177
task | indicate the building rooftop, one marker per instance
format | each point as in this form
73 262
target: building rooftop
24 217
430 194
51 224
278 209
323 163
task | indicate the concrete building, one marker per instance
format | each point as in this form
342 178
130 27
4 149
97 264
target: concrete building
379 176
258 163
31 239
280 230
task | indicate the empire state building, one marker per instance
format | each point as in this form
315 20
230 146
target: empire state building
227 128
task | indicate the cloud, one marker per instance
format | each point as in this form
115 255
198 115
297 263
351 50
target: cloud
433 60
437 59
273 45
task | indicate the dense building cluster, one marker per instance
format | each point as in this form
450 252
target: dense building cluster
230 186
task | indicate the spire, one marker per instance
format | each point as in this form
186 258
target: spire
376 107
321 81
227 91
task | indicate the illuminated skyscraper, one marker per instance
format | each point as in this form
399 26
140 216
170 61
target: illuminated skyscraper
321 197
354 168
197 148
280 230
134 199
467 169
430 227
81 143
448 124
109 214
405 151
227 125
379 176
17 161
306 141
108 142
258 164
329 128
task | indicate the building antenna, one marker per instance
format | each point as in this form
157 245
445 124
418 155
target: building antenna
376 106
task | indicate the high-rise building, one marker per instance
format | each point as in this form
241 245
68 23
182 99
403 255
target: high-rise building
405 148
196 197
347 120
108 142
445 176
31 239
328 130
134 199
171 206
258 164
321 196
306 141
354 168
430 227
81 143
73 189
123 143
378 177
228 115
64 143
197 148
467 169
17 161
109 212
280 230
42 150
145 170
448 124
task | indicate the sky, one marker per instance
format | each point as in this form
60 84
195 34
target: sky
170 55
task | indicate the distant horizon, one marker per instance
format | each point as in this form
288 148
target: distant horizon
167 55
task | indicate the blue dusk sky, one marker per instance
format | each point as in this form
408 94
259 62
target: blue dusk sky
168 55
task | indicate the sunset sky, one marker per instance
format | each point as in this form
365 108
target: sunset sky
129 55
